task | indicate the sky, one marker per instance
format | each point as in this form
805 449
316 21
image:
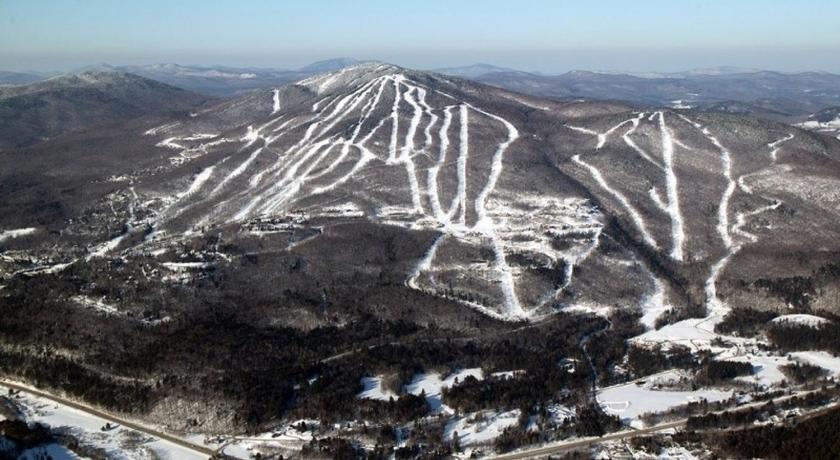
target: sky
536 35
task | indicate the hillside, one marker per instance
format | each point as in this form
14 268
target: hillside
42 110
314 250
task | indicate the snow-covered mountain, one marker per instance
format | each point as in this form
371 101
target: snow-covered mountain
405 219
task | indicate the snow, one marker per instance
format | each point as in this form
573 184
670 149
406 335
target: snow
776 146
373 390
432 384
96 304
459 376
766 371
818 358
654 304
507 374
801 319
723 207
630 401
635 216
463 152
480 427
629 141
685 332
16 233
425 263
276 101
199 181
118 442
673 207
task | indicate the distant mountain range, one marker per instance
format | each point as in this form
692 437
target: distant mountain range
18 78
33 108
789 97
38 111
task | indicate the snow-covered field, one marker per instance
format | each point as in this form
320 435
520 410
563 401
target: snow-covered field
119 442
480 427
432 385
630 401
373 390
822 359
800 319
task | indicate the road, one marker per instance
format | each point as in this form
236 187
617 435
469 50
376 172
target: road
112 418
577 444
587 442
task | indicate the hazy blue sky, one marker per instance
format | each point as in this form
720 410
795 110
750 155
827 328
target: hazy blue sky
539 35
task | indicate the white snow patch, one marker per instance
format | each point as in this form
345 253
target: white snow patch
819 358
801 319
630 401
16 233
373 390
480 427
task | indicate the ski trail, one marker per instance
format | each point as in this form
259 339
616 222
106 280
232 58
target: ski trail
485 224
407 150
245 211
671 190
345 149
713 304
433 118
432 186
723 208
425 263
463 152
366 157
602 137
776 146
237 172
344 109
198 182
276 102
654 305
741 220
629 141
495 169
395 123
637 219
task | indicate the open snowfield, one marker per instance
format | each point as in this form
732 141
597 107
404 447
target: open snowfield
119 442
432 384
801 319
822 359
630 401
480 427
373 390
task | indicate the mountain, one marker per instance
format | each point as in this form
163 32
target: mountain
472 71
223 81
826 121
377 247
790 95
329 65
216 80
42 110
17 78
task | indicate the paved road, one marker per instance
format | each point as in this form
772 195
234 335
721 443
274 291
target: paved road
572 445
111 418
580 443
